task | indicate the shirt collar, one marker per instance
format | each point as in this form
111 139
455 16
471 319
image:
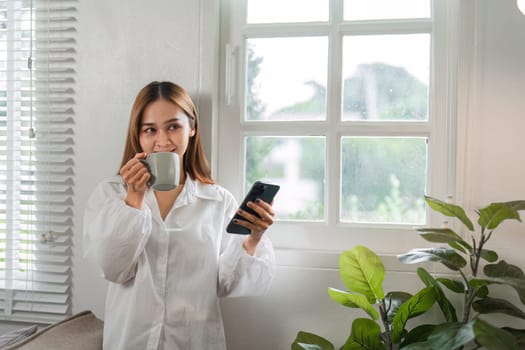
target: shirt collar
192 189
201 190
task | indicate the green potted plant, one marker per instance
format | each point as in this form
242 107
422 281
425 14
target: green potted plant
362 273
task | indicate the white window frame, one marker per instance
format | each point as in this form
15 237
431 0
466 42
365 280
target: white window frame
441 129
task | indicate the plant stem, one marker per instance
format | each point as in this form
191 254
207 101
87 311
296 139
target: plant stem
475 257
465 279
384 319
477 253
469 299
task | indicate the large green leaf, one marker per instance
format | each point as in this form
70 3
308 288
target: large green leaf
363 272
517 284
310 341
491 216
504 273
445 336
444 304
451 210
393 301
418 334
446 256
489 255
482 292
493 338
482 285
503 269
443 235
519 335
494 305
480 282
422 345
461 248
516 205
454 285
415 306
354 301
366 335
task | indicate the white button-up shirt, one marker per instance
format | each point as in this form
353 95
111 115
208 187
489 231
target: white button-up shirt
166 275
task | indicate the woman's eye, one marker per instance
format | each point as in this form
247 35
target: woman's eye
149 130
173 127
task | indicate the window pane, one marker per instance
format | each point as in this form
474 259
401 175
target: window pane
383 179
385 77
286 78
385 9
297 164
283 11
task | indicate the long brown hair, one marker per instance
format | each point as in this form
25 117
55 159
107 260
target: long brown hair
194 160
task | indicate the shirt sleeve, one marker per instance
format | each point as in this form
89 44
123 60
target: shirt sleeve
115 234
241 274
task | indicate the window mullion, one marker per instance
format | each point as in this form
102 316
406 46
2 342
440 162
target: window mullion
333 167
386 26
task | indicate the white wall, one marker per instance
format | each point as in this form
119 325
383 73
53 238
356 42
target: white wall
123 44
495 167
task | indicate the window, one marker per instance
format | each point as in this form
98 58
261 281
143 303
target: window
37 91
344 103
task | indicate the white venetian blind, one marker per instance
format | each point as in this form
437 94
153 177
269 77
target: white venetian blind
37 101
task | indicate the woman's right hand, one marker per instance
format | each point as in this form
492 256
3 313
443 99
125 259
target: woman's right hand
135 175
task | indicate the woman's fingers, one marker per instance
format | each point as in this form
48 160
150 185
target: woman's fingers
135 174
263 209
257 223
132 170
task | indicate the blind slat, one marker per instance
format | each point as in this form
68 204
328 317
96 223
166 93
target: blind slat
38 297
46 308
38 277
28 237
26 286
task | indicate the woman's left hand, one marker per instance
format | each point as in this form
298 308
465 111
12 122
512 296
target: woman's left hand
256 224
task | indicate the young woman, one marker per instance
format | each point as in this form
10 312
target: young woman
166 255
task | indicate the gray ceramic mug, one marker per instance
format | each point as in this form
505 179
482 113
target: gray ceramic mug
164 168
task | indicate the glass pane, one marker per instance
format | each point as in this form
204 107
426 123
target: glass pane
287 11
383 179
386 77
385 9
297 164
286 78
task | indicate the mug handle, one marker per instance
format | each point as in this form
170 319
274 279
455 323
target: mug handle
151 180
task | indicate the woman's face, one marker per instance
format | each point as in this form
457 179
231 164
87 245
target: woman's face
164 128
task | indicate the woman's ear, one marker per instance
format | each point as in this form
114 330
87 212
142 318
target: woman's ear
192 132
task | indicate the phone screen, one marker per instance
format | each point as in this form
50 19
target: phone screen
261 190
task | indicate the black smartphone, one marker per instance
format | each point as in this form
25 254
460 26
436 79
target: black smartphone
261 190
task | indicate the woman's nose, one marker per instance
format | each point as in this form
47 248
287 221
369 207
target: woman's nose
163 138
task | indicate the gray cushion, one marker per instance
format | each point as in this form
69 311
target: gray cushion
82 331
16 336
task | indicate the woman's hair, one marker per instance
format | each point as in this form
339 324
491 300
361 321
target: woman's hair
194 160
